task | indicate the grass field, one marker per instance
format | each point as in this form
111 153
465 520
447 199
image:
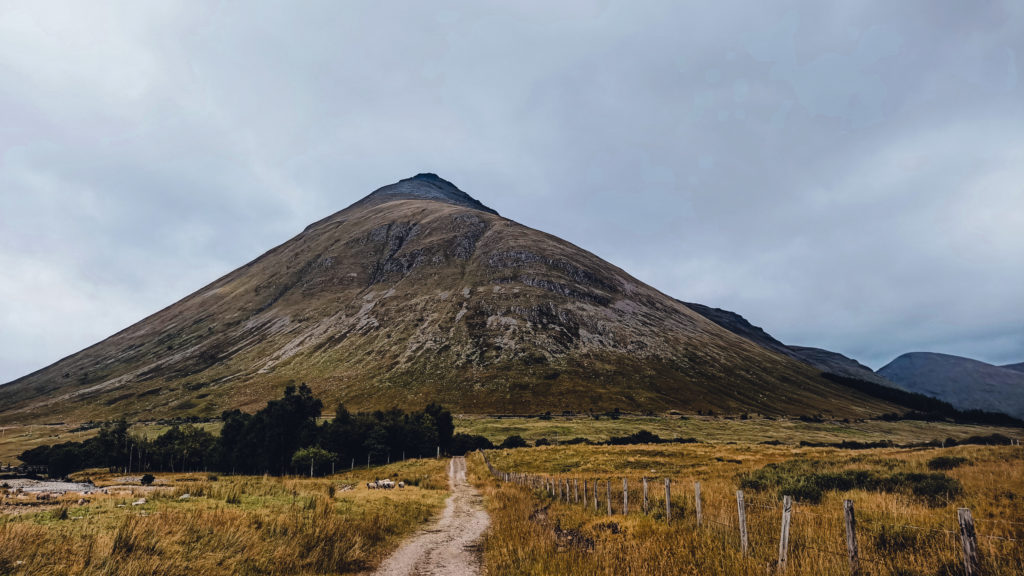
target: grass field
265 525
229 525
906 527
711 429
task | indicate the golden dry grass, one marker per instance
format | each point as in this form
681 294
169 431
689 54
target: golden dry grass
230 525
898 532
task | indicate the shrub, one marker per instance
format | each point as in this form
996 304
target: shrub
542 442
894 539
946 462
935 488
147 479
807 481
514 441
463 443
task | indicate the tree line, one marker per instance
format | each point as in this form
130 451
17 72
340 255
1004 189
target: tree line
284 437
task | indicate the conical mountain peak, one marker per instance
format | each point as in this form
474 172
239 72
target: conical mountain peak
425 186
418 296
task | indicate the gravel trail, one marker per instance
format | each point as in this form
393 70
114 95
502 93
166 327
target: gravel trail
449 547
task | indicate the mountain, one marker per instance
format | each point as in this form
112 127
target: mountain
965 383
835 363
419 293
823 360
1016 367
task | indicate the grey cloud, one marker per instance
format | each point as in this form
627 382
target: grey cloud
847 175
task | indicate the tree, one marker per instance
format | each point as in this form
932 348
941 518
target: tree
444 422
514 441
312 457
463 443
184 448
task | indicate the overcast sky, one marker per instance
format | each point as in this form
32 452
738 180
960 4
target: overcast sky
848 175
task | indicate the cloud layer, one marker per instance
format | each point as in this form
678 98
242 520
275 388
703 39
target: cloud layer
848 175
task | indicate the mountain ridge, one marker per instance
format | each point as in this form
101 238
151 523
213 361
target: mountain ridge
825 360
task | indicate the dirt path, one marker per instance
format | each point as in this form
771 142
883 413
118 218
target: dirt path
447 548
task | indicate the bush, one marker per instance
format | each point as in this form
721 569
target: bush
807 481
641 437
514 441
895 539
542 442
946 462
147 479
463 443
935 488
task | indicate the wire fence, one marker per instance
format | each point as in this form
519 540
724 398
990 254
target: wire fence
781 532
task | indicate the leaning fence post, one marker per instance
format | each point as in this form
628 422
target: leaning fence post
646 502
742 511
625 497
608 494
969 541
668 499
696 500
851 536
787 508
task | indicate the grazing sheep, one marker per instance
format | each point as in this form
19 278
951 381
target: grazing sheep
371 485
401 484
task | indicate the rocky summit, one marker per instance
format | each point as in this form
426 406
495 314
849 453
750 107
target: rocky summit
420 293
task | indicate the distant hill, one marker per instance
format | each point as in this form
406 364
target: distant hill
1017 367
963 382
420 293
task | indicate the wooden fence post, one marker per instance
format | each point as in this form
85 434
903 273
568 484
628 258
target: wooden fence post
696 500
625 497
969 541
608 494
646 501
787 508
742 511
567 491
595 496
576 490
851 536
668 499
584 493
